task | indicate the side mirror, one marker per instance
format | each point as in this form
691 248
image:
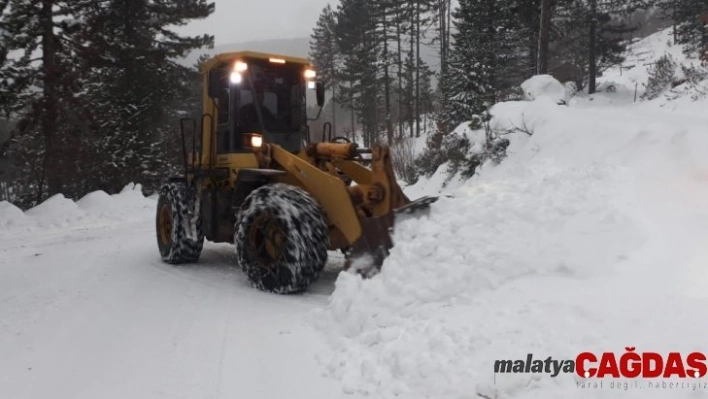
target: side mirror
320 91
216 86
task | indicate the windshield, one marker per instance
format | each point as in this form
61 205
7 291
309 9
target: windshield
277 95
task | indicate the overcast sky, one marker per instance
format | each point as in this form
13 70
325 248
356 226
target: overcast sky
243 20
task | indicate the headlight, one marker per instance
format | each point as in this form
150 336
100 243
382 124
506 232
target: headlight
256 141
310 74
240 66
311 85
236 78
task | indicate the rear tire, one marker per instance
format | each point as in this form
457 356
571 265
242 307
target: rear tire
281 238
178 224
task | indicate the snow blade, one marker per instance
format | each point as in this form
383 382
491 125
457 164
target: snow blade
368 253
414 209
418 205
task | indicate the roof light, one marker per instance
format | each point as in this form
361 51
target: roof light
277 60
310 74
240 66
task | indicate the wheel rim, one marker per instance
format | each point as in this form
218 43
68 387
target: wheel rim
165 224
266 238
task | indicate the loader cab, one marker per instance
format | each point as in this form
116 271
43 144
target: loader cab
258 98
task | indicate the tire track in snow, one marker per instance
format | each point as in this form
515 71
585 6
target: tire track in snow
99 315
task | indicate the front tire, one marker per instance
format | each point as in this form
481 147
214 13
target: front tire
281 238
178 224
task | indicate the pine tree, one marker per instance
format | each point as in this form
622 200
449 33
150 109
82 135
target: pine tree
135 79
516 35
690 18
444 22
421 19
544 37
385 11
325 55
380 74
99 92
482 57
591 34
443 19
39 89
427 95
401 21
358 40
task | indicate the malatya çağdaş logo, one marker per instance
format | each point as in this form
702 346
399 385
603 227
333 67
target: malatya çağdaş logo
630 364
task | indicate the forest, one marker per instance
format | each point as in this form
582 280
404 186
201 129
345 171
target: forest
91 90
370 52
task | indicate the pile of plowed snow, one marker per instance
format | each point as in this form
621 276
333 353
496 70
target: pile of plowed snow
94 208
590 236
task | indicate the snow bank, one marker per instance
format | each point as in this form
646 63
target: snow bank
94 208
436 184
57 211
10 215
586 237
544 86
118 207
132 198
441 182
97 201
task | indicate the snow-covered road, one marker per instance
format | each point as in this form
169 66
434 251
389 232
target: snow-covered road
94 313
590 236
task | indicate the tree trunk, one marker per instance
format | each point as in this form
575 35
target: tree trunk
400 76
373 85
417 68
673 18
442 11
387 84
49 101
544 37
411 82
353 117
592 63
448 33
334 111
333 69
491 56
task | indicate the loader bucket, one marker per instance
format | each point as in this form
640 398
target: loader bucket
367 254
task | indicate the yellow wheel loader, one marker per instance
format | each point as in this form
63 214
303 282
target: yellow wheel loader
253 178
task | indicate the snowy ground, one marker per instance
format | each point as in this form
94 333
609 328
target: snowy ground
88 310
590 236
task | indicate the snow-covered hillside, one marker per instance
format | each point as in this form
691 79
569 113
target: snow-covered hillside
622 85
634 72
590 236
